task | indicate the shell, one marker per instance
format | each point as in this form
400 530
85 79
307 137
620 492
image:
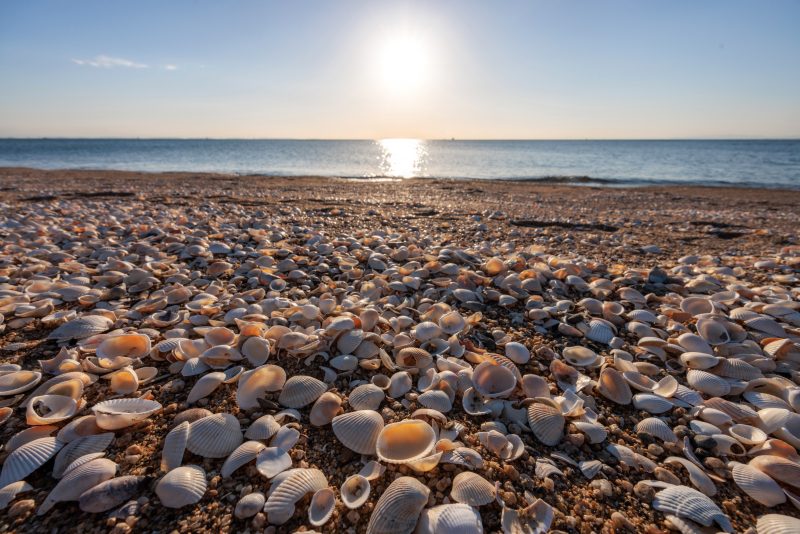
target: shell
366 397
244 453
405 441
325 408
656 428
707 383
759 486
398 509
321 507
57 407
517 353
450 519
82 426
77 481
300 391
254 383
546 422
694 343
29 434
111 493
777 524
182 486
285 438
452 323
124 345
359 430
689 503
713 331
80 447
355 491
262 428
596 432
27 459
205 386
292 486
215 436
81 327
612 385
697 476
780 469
650 403
471 488
256 350
699 360
579 356
413 358
9 492
533 519
599 331
272 460
492 380
748 435
120 413
249 505
174 446
437 400
399 384
18 382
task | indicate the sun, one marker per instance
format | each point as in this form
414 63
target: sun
403 62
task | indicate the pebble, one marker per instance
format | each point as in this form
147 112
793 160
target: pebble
644 491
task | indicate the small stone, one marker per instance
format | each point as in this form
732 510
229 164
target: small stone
22 508
353 516
511 472
620 521
133 449
644 491
259 520
655 449
665 475
603 487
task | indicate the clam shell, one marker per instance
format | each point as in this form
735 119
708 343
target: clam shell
699 360
405 441
780 469
174 446
182 486
413 358
398 509
79 427
262 428
546 422
254 383
777 524
471 488
492 380
650 403
27 459
594 431
355 491
463 456
688 503
326 407
249 505
285 438
436 399
111 493
694 343
399 384
713 331
301 391
256 350
205 386
707 383
57 407
517 353
78 448
579 356
272 460
366 397
244 453
321 507
292 486
359 430
81 327
747 435
656 428
29 434
78 480
759 486
18 382
124 345
696 475
215 436
600 331
120 413
612 385
9 492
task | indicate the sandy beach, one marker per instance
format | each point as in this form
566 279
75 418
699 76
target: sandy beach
67 228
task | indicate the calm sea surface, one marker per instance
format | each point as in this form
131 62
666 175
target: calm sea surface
773 163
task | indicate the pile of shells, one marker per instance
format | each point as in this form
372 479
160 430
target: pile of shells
237 343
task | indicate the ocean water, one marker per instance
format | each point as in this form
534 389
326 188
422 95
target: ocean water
765 163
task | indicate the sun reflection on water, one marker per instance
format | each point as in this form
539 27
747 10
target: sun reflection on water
402 158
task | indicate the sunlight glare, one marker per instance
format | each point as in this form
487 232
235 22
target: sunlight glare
404 62
402 158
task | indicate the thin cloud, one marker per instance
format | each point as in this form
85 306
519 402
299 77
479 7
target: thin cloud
170 67
108 62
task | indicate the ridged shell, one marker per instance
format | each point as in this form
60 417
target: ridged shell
689 503
759 486
80 447
359 430
256 350
77 481
300 391
405 441
262 428
254 383
697 476
321 507
215 436
205 386
493 380
707 383
366 397
399 384
650 403
471 488
272 460
733 368
399 507
355 491
413 358
450 519
599 332
244 453
694 343
777 524
81 327
546 422
249 505
579 356
27 459
292 486
29 434
174 446
594 431
699 360
436 399
120 413
656 428
124 345
517 353
780 469
748 435
9 493
325 408
111 493
613 386
18 382
182 486
740 413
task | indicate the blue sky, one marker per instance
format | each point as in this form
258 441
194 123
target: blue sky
434 69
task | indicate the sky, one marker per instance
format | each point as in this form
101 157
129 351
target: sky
375 69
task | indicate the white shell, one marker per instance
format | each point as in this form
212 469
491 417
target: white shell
80 447
120 413
325 408
517 353
254 383
81 327
9 492
436 399
579 356
262 428
399 507
689 503
651 403
546 422
205 386
366 397
77 481
399 384
215 436
759 486
492 380
355 491
697 476
272 460
174 446
244 453
777 524
321 507
300 391
359 430
405 441
612 385
707 383
450 519
471 488
656 428
27 459
18 382
250 504
57 408
292 486
182 486
111 493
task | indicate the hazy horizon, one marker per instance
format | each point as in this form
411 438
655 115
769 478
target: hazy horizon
356 70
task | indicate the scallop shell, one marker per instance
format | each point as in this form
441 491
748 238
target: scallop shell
759 486
254 383
694 343
78 448
780 469
292 486
81 327
249 505
471 488
436 400
707 383
77 481
300 391
9 492
272 460
57 407
120 413
205 386
325 408
493 380
747 435
359 430
321 507
18 382
182 486
111 493
215 436
777 524
366 397
596 432
713 331
689 503
699 360
174 446
244 453
612 385
262 428
27 459
546 422
656 428
399 507
405 441
29 434
355 491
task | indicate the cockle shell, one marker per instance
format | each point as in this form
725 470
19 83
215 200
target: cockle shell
650 403
256 350
78 480
612 385
436 399
82 426
321 507
777 524
492 380
249 505
79 447
29 434
517 353
413 358
366 397
124 381
182 486
80 328
697 476
600 331
325 408
399 384
174 446
579 356
594 431
707 383
9 492
300 391
699 360
272 460
689 503
533 519
359 430
759 486
405 441
452 323
124 345
27 459
713 331
120 413
262 428
254 383
355 491
546 422
656 428
18 382
287 489
205 386
450 519
780 469
56 408
471 488
398 509
244 453
215 436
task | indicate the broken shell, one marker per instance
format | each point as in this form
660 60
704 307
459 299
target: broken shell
182 486
56 408
612 385
262 428
359 430
405 441
215 436
272 460
399 507
471 488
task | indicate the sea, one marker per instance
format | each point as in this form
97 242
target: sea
756 163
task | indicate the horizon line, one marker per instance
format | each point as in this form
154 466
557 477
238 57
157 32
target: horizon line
179 138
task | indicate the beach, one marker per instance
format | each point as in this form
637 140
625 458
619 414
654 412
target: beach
67 225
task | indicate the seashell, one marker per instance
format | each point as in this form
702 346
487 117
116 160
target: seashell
694 343
77 481
436 399
686 396
80 447
590 468
600 331
29 434
777 524
533 519
194 367
399 384
706 429
82 426
696 475
688 503
399 507
120 413
349 341
285 438
517 353
123 346
18 382
321 507
262 428
764 401
493 380
707 383
699 360
301 391
726 445
738 412
355 491
472 489
697 306
28 458
345 362
450 519
80 328
650 403
413 358
205 386
657 428
325 409
124 381
220 356
174 446
292 486
739 369
546 422
580 356
244 453
56 407
713 331
272 460
191 415
249 505
766 325
426 331
9 492
747 435
182 486
535 386
359 430
666 387
594 431
256 350
463 456
451 323
780 469
219 336
760 487
256 382
366 397
405 441
612 385
215 436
